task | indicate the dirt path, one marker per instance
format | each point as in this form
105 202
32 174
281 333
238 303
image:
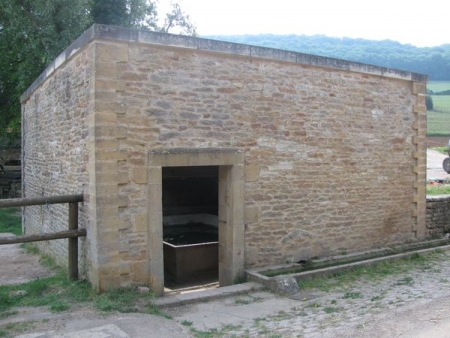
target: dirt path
17 266
434 165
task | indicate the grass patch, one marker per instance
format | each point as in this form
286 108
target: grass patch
152 309
6 314
438 119
122 300
11 221
438 122
55 292
352 295
58 294
13 329
438 189
442 150
224 331
331 309
441 103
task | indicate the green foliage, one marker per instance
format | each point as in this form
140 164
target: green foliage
110 12
11 221
34 32
429 102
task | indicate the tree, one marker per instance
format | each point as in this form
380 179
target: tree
177 18
141 14
34 32
111 12
429 102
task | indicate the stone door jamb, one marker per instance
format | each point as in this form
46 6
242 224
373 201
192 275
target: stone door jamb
231 209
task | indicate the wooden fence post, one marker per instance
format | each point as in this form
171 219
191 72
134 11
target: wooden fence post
73 242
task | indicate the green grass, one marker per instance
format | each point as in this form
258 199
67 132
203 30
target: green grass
12 329
58 294
11 221
438 123
441 103
442 150
352 295
55 292
438 120
225 331
438 189
331 309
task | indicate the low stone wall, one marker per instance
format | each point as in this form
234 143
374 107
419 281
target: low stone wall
438 215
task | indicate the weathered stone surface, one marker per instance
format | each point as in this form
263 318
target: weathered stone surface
284 285
438 215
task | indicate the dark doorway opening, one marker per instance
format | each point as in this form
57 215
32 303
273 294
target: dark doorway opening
190 226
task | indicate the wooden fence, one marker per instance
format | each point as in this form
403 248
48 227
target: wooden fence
72 234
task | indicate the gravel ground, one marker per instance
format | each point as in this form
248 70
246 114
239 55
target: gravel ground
413 304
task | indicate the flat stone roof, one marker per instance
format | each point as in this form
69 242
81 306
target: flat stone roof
114 33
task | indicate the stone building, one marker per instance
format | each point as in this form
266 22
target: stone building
287 155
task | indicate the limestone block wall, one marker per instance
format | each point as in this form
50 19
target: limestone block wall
55 149
333 152
438 215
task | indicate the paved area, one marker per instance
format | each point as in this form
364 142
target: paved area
434 165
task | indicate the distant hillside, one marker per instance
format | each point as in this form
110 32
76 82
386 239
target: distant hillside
433 61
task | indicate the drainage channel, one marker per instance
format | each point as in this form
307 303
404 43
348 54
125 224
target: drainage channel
283 279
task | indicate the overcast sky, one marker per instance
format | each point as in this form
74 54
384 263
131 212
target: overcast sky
420 23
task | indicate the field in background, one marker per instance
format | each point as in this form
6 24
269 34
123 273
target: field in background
438 119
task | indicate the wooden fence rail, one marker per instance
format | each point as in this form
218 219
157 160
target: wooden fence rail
72 234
